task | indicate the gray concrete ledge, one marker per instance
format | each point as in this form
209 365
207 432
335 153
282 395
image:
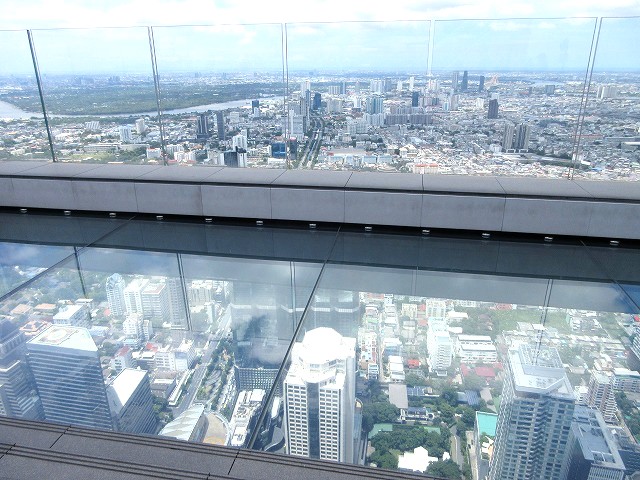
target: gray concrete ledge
503 204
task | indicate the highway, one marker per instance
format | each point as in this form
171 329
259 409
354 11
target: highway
314 142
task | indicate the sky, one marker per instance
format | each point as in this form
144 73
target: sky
522 35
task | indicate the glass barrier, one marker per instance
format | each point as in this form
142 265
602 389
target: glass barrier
99 93
23 135
609 147
506 95
221 92
354 93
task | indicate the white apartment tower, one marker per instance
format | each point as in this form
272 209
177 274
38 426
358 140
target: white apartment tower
115 294
535 416
133 295
601 395
320 396
439 347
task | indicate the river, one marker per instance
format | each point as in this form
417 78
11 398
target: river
8 111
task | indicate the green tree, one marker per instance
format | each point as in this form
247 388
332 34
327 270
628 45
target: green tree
378 412
445 469
384 459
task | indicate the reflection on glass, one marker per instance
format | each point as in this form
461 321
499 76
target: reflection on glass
99 93
23 135
608 145
372 358
21 262
222 89
505 95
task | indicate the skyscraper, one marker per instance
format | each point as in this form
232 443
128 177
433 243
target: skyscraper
481 84
220 126
320 397
600 395
521 141
455 76
202 133
115 294
131 402
439 346
465 81
66 368
493 109
375 104
317 101
415 99
125 133
18 396
592 452
534 418
507 137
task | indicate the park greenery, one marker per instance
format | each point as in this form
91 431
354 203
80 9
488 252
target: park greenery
445 469
134 97
405 438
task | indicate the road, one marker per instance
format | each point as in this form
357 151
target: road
314 142
198 375
456 453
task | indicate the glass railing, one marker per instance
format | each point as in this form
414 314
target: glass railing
519 97
389 350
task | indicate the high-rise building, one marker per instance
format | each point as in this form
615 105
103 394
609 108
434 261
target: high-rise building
412 83
140 126
521 141
415 99
535 416
317 101
18 396
202 132
481 84
465 81
155 301
507 137
375 104
133 295
234 158
455 76
549 89
592 452
66 368
439 346
493 109
115 295
125 133
600 395
239 141
74 315
220 126
131 402
343 88
320 397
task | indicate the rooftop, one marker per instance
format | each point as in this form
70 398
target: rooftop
123 386
67 337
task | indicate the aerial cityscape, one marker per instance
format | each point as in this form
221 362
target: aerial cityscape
449 387
271 355
461 122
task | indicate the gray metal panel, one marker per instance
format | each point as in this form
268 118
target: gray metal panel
236 201
245 176
44 193
609 189
544 216
118 172
461 184
385 181
383 208
105 196
308 204
17 167
313 178
62 170
172 199
614 220
542 187
7 198
470 212
180 174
